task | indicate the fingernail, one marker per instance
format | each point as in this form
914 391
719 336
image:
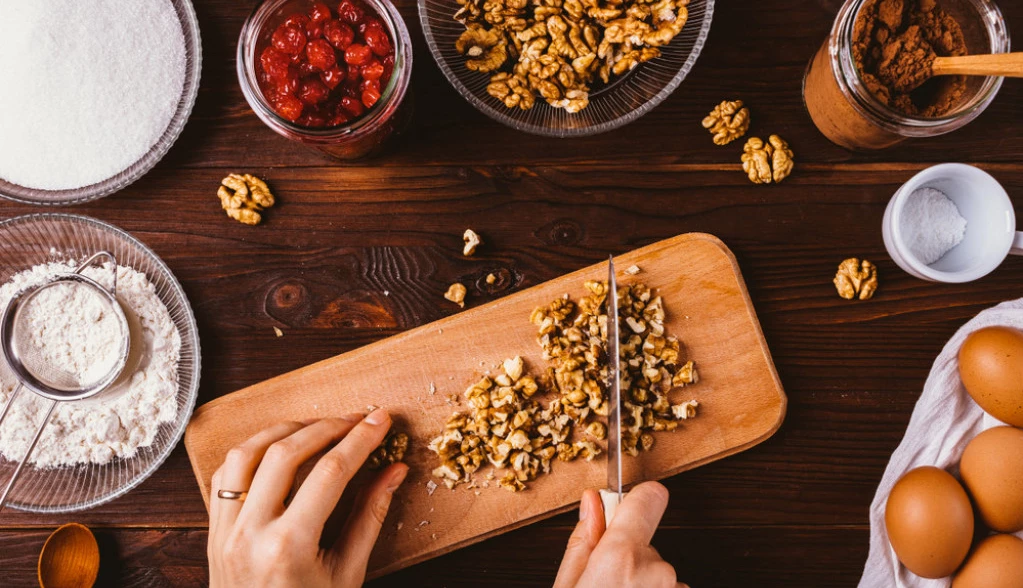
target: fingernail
377 417
396 480
584 509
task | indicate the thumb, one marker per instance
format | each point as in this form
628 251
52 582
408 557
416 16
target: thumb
583 540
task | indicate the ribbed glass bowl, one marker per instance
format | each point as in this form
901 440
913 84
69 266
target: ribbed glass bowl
40 238
622 101
193 69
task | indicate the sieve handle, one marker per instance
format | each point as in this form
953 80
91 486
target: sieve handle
31 447
91 260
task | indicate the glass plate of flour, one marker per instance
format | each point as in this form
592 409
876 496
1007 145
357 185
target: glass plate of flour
98 449
98 93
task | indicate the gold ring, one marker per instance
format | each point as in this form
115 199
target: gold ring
232 495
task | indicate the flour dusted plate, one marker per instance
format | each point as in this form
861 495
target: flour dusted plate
42 238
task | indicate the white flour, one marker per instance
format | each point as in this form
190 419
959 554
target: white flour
931 224
118 422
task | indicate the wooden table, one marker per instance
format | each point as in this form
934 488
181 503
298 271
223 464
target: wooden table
791 512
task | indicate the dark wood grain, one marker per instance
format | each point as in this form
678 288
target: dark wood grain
357 252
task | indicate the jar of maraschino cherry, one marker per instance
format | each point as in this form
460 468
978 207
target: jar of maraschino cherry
334 77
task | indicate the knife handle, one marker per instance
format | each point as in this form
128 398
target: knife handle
609 499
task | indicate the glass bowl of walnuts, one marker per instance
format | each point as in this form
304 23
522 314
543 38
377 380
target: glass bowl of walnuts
565 68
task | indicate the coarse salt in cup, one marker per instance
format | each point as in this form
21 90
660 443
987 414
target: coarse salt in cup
849 115
363 135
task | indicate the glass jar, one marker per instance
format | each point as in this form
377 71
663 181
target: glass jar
364 135
848 114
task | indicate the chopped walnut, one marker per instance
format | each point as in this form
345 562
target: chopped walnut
856 279
491 279
472 241
243 197
728 121
392 450
456 293
767 162
632 270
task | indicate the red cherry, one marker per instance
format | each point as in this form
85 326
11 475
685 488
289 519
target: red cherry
275 63
288 39
351 11
313 30
373 70
376 39
370 97
319 12
370 85
312 120
339 117
312 91
352 106
306 69
289 107
338 34
357 54
333 76
288 85
296 20
320 54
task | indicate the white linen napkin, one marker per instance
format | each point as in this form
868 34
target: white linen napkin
944 421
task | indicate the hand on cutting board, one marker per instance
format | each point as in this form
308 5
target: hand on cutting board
620 555
262 542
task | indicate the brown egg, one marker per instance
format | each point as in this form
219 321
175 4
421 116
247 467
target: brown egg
991 367
997 562
992 471
929 521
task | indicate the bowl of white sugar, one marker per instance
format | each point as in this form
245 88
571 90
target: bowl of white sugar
97 449
951 223
95 93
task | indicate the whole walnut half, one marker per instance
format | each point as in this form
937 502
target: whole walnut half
728 121
767 162
243 197
856 279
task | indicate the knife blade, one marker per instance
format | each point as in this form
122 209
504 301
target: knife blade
613 495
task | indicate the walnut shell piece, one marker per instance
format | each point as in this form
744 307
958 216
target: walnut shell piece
243 197
728 121
856 279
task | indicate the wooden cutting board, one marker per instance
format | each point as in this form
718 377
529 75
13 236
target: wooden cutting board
741 398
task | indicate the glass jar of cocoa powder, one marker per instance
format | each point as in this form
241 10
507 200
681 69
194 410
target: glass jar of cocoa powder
852 89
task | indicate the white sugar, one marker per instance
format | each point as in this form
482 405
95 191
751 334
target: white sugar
88 87
931 224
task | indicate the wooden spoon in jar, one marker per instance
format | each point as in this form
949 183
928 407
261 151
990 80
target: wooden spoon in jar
997 64
70 558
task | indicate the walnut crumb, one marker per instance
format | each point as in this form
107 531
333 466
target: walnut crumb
431 486
472 241
491 278
278 332
632 270
456 293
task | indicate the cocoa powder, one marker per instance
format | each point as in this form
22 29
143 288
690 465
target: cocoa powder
894 45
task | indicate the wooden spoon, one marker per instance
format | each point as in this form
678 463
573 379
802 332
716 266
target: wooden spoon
70 558
997 64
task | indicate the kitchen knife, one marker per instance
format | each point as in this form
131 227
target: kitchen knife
612 496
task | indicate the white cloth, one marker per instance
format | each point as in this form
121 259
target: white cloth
944 421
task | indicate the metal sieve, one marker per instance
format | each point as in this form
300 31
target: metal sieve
32 367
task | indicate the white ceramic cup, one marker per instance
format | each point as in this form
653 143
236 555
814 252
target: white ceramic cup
990 224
